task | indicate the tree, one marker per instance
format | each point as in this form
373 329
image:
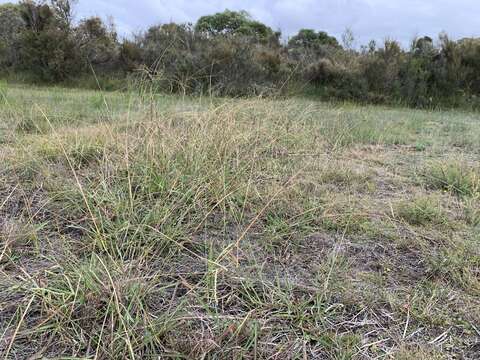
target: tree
11 25
310 39
348 39
168 41
469 49
37 16
423 46
96 41
380 67
233 23
63 10
48 47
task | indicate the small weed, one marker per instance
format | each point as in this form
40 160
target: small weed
421 211
458 264
453 176
421 146
33 123
471 210
3 92
86 153
344 177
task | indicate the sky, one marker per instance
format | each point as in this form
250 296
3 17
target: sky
368 19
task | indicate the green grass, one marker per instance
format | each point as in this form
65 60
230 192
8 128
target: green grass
148 226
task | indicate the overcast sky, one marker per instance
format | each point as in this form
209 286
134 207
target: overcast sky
369 19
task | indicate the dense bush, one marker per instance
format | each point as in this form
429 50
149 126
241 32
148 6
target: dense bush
180 59
231 54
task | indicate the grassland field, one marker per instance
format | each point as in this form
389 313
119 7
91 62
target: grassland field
142 226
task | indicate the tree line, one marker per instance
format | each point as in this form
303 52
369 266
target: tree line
232 54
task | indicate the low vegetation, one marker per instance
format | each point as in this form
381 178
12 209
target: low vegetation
137 225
